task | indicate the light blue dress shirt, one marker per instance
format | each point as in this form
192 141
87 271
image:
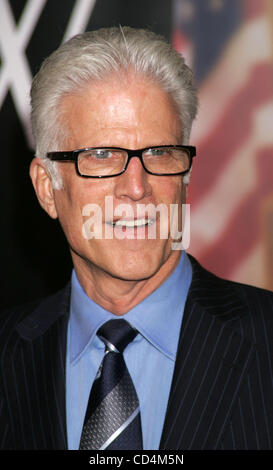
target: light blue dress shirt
149 358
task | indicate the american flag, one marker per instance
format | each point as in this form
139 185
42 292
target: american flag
229 45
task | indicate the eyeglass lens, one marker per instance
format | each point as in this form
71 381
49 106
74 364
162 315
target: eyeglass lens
110 162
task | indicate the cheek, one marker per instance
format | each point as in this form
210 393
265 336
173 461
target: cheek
69 203
79 201
80 191
171 191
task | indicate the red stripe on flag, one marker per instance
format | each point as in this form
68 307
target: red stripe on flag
253 8
179 41
244 229
231 131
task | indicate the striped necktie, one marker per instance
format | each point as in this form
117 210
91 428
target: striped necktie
112 418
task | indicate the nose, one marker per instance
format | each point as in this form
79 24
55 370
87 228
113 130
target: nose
133 183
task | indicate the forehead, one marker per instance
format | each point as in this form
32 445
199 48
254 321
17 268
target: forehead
111 108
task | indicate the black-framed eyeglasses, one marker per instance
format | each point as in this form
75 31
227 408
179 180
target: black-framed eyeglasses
105 162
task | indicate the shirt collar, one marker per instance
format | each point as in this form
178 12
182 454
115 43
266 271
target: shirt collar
157 318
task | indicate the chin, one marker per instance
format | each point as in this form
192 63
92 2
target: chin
137 268
135 275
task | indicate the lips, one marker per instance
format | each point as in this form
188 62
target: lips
131 223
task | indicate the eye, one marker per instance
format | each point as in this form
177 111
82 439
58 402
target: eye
101 154
158 152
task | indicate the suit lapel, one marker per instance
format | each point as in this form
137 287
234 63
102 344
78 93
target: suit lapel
35 376
212 360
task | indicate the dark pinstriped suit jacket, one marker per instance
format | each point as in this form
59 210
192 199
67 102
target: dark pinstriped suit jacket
222 390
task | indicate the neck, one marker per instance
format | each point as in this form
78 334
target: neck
119 295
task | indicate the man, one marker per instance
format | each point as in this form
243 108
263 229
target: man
198 368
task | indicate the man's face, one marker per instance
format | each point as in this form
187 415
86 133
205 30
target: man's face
133 116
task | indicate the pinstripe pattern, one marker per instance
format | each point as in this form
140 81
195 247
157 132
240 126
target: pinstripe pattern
32 380
222 390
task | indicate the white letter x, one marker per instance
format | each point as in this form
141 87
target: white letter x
15 72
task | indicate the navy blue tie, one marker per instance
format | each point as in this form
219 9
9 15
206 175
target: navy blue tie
112 418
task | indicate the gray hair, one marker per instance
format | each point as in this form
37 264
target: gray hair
97 55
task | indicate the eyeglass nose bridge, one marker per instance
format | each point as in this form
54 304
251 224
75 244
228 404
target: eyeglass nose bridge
134 153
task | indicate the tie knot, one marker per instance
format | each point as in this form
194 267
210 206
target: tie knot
117 332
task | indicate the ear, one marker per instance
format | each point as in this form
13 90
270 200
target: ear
43 186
